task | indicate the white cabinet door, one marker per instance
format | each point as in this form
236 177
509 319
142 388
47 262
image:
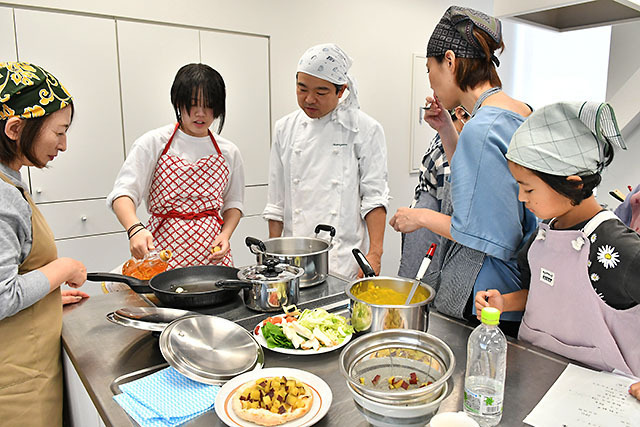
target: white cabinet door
81 52
243 62
98 253
80 218
8 40
82 413
150 57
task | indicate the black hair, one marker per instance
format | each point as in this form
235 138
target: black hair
577 191
10 149
199 80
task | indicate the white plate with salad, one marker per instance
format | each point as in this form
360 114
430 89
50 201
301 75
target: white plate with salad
303 333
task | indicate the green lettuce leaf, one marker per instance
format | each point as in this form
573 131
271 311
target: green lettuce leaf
275 337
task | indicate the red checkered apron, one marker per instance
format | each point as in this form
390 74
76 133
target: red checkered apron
185 200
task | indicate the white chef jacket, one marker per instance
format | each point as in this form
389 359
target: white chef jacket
134 178
322 173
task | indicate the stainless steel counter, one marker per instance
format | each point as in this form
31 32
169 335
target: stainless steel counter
102 352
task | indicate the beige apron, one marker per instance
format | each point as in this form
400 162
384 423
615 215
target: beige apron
30 365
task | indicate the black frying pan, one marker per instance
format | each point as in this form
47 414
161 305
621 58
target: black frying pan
198 285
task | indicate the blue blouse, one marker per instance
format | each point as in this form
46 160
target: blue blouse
487 215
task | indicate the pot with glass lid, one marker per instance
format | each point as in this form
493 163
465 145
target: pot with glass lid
268 286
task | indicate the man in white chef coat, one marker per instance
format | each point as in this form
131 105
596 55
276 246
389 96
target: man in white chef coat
329 164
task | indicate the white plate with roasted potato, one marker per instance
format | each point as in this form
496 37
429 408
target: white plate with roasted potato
273 397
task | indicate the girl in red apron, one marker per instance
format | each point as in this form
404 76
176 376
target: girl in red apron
192 182
582 268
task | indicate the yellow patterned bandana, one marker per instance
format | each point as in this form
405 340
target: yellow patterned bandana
28 91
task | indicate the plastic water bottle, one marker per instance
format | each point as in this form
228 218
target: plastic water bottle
486 369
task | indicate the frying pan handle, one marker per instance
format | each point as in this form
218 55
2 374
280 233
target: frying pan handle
327 228
363 263
137 285
234 284
252 243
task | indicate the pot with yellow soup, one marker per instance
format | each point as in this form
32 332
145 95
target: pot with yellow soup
377 303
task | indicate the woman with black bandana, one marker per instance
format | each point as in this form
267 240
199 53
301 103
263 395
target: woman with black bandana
483 223
35 113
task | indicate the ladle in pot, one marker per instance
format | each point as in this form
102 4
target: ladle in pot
424 265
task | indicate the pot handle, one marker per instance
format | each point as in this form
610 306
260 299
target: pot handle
252 243
327 228
363 263
137 285
234 284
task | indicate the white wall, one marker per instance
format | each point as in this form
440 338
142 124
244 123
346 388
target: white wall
546 66
624 65
380 35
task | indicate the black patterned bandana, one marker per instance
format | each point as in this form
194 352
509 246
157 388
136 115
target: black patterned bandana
28 91
455 32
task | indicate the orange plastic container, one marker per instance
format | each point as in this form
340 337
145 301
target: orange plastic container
155 262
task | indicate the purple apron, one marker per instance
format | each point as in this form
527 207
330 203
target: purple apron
565 315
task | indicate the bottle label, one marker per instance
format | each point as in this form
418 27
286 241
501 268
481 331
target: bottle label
482 404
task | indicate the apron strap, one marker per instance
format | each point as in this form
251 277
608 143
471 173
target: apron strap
166 147
175 129
487 93
188 215
215 144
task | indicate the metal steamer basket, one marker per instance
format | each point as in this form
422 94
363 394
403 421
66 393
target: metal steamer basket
309 253
397 377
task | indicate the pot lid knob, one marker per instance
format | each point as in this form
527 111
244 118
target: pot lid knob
271 264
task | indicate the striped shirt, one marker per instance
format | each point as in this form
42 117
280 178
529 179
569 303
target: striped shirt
433 171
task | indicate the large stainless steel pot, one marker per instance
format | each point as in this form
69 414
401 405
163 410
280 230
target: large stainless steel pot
309 253
368 317
269 286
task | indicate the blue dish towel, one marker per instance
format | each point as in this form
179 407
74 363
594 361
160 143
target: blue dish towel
166 399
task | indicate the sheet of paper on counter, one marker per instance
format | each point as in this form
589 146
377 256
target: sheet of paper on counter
583 397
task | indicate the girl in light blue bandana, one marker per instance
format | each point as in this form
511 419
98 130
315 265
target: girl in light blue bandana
580 271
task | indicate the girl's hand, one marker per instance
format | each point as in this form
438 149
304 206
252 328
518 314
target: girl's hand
437 116
406 220
77 272
219 248
634 390
72 296
489 298
141 243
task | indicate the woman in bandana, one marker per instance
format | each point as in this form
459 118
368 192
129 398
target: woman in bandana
36 113
581 270
482 223
192 181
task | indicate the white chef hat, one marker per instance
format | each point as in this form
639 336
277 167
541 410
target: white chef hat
329 62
